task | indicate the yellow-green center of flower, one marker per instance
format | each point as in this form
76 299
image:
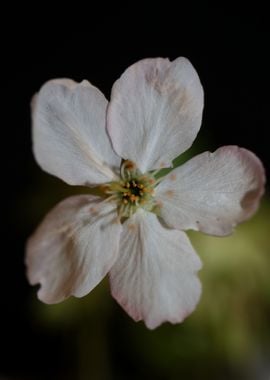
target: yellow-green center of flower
134 190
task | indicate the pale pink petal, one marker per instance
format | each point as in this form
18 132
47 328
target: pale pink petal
73 248
213 191
154 278
69 133
155 111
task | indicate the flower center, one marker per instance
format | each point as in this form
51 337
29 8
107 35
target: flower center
134 190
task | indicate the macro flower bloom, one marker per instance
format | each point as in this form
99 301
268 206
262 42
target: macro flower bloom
133 231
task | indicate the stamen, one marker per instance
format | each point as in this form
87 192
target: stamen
133 191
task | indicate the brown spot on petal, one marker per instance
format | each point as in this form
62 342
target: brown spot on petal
93 211
166 87
159 204
169 193
131 227
151 76
172 177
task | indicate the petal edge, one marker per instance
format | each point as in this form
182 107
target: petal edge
73 248
155 111
154 278
212 192
70 139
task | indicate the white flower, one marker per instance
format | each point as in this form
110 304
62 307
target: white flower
134 231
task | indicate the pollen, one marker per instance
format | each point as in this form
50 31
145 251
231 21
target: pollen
129 165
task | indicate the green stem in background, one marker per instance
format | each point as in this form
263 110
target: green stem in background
179 160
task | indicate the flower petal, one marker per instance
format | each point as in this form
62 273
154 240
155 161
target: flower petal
213 191
154 277
69 134
73 248
155 111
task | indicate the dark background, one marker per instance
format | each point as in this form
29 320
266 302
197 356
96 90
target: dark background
229 49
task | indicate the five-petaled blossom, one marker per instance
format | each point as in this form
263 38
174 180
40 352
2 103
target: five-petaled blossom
134 230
